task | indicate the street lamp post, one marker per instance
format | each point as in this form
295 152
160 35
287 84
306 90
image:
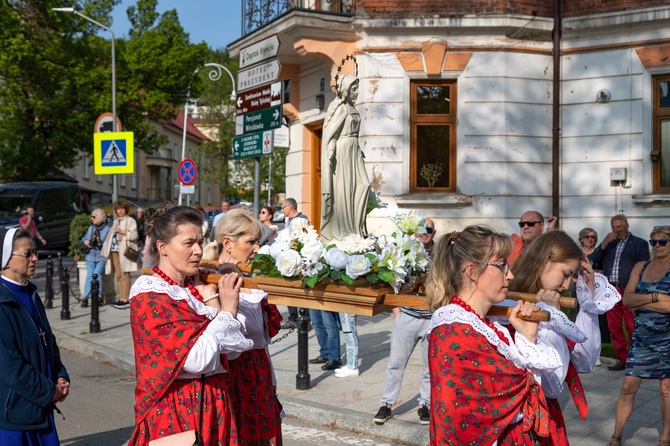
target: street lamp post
214 75
70 10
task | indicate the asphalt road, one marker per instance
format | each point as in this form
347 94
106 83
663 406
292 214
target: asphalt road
99 411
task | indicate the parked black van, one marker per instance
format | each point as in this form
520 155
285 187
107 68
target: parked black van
55 204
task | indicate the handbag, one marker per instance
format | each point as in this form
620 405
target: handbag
83 248
131 253
188 438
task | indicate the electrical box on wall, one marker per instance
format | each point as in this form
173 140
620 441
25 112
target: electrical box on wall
618 174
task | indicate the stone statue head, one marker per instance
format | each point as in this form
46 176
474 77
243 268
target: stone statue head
345 84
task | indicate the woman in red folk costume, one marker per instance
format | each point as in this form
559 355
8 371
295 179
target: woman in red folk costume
252 382
548 268
182 330
483 385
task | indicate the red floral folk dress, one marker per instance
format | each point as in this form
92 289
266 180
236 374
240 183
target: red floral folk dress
251 382
482 391
166 322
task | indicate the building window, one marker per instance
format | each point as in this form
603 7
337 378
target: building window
133 181
98 178
123 180
84 163
433 136
660 154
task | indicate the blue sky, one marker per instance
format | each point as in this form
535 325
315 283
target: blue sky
216 22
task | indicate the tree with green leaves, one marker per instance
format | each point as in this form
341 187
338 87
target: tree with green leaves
55 80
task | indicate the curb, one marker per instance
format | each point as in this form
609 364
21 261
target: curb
122 360
393 430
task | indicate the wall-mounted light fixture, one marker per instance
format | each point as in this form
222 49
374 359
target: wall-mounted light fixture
603 96
320 101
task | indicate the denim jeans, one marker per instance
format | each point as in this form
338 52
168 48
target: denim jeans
93 268
327 328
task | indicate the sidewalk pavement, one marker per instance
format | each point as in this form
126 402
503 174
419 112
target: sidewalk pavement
351 403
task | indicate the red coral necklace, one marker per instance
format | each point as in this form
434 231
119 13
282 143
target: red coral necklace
457 301
188 281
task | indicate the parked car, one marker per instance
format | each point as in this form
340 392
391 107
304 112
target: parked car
278 217
55 204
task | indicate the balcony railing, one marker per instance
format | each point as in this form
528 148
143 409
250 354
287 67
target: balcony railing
257 13
161 153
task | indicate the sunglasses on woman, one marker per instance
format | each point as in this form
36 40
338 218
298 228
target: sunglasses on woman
660 241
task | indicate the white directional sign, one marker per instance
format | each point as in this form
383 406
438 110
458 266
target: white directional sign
258 75
259 51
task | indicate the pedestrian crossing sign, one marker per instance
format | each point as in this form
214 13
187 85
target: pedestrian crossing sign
113 152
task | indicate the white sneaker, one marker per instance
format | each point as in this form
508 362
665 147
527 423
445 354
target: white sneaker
346 372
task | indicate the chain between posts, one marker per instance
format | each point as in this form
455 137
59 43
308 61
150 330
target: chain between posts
283 337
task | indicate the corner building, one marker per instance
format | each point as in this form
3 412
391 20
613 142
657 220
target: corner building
476 111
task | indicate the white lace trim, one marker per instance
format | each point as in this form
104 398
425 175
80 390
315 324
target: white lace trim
523 353
603 298
253 298
151 284
560 323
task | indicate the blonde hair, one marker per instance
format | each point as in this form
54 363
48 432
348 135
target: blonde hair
476 244
235 223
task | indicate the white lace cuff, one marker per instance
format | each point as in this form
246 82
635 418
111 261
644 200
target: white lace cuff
560 323
538 355
603 298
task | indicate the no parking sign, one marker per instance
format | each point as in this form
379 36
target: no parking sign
187 171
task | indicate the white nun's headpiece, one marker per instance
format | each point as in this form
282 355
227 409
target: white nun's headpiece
7 244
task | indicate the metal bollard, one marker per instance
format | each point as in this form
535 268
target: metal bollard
60 266
65 293
302 379
49 291
94 325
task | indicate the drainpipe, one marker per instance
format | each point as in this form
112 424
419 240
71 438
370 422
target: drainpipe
556 109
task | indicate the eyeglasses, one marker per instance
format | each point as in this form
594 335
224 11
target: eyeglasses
529 223
502 266
28 254
429 230
589 236
660 241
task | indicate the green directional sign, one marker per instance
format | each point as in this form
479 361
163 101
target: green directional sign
253 144
259 121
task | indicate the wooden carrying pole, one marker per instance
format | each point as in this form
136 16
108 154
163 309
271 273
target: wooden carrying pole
385 302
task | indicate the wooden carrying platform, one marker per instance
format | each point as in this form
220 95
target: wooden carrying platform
361 298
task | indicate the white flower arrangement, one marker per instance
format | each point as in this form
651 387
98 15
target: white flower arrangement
394 260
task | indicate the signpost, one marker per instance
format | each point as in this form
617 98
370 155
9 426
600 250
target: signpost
113 152
259 51
105 123
258 75
187 172
254 144
259 121
259 98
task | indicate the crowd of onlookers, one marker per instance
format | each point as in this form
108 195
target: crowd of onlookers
484 379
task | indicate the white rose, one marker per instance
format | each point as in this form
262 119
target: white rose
265 249
336 258
278 247
312 251
358 266
289 263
